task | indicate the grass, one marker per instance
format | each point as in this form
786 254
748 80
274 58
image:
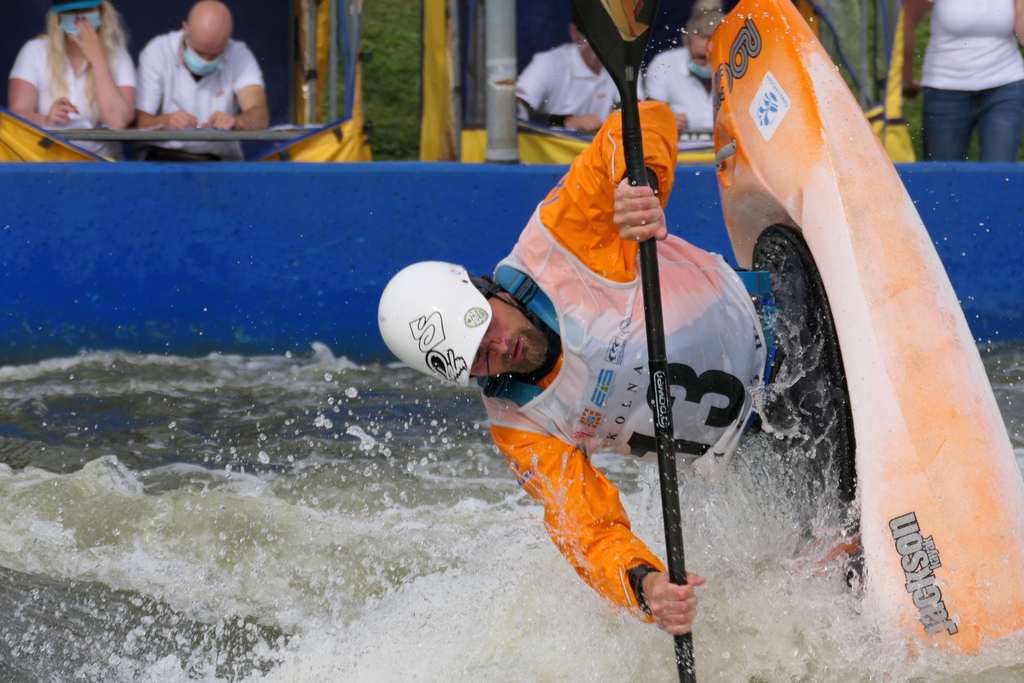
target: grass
391 77
912 105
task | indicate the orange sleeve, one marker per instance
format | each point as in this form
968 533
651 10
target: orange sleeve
578 211
582 511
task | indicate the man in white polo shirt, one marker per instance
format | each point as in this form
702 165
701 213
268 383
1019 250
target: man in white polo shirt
681 78
567 86
198 77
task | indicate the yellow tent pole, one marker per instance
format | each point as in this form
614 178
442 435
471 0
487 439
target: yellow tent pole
304 89
437 124
895 135
323 53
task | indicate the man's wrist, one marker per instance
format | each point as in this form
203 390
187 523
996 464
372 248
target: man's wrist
636 577
557 120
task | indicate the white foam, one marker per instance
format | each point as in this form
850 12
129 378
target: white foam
430 564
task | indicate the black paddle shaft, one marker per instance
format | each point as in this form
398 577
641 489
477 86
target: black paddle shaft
618 34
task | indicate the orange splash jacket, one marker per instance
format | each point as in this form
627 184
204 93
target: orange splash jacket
594 398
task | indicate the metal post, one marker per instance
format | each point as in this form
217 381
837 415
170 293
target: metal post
332 68
455 66
502 141
312 108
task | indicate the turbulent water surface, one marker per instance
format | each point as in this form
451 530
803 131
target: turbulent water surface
309 519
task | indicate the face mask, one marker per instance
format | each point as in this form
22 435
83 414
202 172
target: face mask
67 22
701 72
199 66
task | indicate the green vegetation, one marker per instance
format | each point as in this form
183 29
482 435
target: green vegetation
391 77
912 105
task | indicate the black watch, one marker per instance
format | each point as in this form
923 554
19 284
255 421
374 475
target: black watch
636 582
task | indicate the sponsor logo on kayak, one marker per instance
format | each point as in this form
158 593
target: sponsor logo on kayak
745 46
919 558
769 107
716 87
605 380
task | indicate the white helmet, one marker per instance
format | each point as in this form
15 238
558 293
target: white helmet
433 318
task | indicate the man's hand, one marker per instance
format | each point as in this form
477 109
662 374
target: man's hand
221 121
587 123
673 607
682 122
60 112
638 213
180 120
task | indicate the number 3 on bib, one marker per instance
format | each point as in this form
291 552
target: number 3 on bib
696 387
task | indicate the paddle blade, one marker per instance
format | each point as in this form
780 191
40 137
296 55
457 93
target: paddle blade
631 17
618 31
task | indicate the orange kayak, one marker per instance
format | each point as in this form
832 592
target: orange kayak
940 496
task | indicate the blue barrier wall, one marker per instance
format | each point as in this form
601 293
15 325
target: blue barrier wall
266 258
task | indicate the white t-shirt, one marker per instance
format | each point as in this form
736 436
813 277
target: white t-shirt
33 66
972 46
166 85
669 80
558 81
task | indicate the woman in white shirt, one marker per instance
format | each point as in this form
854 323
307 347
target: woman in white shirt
77 75
973 76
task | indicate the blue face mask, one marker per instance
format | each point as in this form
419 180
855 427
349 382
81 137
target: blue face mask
67 22
701 72
199 66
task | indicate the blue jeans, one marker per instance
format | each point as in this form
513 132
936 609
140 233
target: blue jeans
951 115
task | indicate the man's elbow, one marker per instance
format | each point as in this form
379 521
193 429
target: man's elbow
261 118
255 118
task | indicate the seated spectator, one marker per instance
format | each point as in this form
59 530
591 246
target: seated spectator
78 75
198 77
973 76
681 77
567 86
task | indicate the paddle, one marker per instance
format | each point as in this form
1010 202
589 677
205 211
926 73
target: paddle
618 31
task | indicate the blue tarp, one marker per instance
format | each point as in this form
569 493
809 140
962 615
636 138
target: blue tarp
257 258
